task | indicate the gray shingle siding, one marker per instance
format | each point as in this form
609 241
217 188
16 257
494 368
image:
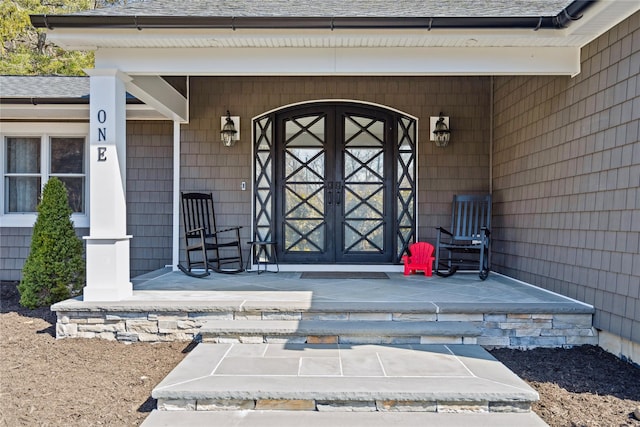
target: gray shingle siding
149 194
566 177
15 243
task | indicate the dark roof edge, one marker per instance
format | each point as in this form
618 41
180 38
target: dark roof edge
55 100
571 13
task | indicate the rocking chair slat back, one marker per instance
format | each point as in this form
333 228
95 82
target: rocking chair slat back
469 215
197 211
469 235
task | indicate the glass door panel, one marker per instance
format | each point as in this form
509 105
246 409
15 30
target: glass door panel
334 187
304 210
365 227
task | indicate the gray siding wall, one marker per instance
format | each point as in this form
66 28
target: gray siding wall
566 180
463 166
149 194
15 243
14 249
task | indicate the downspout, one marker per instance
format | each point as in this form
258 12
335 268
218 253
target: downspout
491 124
572 12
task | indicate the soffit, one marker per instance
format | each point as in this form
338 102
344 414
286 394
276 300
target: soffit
190 38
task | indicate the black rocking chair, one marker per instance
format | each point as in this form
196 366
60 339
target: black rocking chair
467 244
204 244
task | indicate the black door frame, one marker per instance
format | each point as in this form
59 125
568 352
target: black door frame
400 181
333 228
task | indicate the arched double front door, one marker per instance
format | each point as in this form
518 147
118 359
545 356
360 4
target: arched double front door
335 183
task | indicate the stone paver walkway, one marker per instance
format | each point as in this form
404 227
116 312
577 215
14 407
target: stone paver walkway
429 377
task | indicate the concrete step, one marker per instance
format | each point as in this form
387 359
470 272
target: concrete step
341 377
351 419
339 331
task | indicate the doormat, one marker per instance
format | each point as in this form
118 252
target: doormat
343 275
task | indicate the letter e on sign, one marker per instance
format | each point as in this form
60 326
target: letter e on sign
102 154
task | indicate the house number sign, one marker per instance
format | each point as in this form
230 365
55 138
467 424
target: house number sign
102 135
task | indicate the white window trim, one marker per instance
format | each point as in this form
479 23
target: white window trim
44 131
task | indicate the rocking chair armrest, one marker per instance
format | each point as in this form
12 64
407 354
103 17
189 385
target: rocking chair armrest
195 230
486 231
444 230
226 229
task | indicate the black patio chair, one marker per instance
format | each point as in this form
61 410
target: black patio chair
206 246
467 244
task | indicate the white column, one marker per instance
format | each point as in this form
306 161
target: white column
108 243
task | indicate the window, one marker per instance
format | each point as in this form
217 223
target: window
22 179
67 163
31 158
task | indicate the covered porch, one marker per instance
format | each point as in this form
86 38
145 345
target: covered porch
259 64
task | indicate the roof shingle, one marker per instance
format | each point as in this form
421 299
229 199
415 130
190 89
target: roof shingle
336 8
44 87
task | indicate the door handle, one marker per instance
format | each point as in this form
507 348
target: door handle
329 192
338 192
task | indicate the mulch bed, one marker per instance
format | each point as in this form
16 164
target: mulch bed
76 382
581 386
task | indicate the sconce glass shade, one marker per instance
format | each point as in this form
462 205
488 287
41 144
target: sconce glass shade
228 132
441 133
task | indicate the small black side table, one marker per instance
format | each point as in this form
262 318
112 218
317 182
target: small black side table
262 251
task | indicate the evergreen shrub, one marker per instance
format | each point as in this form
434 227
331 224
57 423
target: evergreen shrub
55 267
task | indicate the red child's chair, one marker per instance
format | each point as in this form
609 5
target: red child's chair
420 258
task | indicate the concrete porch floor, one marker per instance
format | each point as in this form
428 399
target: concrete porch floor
497 291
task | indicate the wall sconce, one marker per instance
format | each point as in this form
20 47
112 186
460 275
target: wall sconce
440 133
229 133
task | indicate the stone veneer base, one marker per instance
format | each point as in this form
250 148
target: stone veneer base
503 325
